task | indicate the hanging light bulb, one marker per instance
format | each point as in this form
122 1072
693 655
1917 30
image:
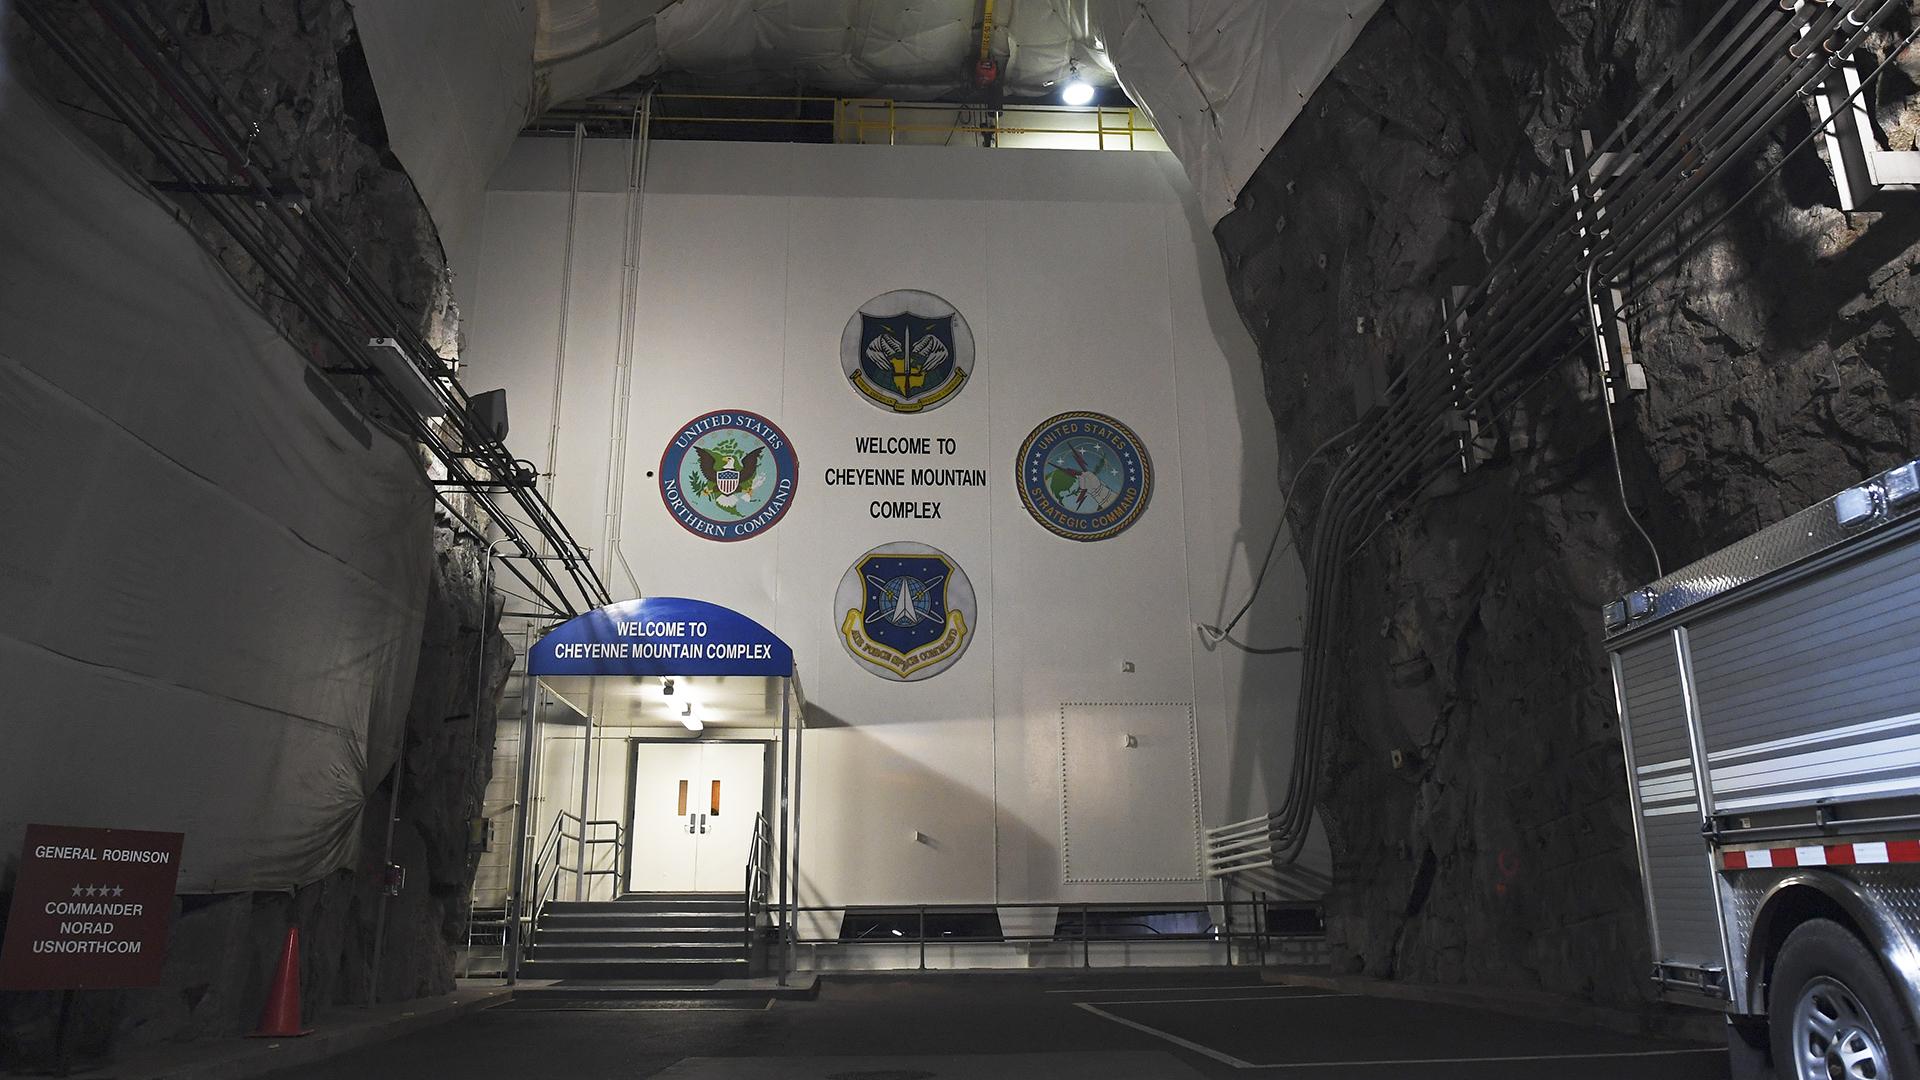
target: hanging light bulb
1077 91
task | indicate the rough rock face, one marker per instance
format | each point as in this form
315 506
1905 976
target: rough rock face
222 949
1783 361
297 70
298 67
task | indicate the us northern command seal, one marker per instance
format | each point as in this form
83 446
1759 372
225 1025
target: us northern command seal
1085 476
905 611
728 475
907 351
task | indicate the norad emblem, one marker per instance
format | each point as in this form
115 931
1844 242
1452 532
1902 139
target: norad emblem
728 475
907 351
905 611
1084 476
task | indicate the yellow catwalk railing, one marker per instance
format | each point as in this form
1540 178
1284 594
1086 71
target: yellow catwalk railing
886 121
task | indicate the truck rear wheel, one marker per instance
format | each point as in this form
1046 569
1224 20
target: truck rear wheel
1834 1015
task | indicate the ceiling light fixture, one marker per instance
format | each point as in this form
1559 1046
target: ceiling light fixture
1077 91
689 720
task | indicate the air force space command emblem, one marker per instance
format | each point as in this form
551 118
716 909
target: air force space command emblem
905 611
728 475
1084 476
907 351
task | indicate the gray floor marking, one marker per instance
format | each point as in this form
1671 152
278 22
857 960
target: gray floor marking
1237 1063
1084 1065
1164 989
1242 997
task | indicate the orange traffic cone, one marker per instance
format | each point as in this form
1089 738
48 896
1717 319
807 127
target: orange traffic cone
282 1018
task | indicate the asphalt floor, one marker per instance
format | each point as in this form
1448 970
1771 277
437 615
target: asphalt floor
1101 1026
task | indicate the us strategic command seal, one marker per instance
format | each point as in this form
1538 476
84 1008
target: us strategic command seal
905 611
907 351
1084 476
728 475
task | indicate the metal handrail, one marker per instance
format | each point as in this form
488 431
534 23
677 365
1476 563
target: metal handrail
854 118
548 867
759 874
1250 928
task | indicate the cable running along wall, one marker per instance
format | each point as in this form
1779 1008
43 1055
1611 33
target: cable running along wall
1736 80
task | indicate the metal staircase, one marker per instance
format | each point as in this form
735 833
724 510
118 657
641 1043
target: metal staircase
641 936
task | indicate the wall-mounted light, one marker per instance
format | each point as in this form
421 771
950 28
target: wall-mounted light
392 361
690 719
666 688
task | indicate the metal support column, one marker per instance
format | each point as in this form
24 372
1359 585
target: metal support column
799 780
786 905
522 824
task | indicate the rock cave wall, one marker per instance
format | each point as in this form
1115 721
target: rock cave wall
1497 849
299 68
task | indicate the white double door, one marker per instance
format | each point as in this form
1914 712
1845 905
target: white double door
693 812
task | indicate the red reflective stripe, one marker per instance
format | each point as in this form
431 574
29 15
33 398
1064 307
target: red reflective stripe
1898 851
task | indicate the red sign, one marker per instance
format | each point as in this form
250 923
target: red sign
90 909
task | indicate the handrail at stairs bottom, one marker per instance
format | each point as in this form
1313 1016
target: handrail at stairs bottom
759 870
548 866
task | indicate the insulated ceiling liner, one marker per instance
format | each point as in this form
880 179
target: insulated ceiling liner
1222 79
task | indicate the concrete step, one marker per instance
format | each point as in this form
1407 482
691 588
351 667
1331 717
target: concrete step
630 970
799 985
638 951
660 903
634 934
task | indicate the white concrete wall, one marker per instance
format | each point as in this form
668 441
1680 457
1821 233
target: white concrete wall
1089 284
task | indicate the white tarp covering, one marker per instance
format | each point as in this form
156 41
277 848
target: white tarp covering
1222 79
211 592
455 79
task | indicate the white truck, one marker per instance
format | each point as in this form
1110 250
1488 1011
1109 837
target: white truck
1769 700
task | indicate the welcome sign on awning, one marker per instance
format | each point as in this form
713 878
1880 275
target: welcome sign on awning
661 635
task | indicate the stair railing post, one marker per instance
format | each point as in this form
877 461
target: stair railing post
1086 942
1228 893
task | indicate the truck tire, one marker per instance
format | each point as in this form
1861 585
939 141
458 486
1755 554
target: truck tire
1833 1013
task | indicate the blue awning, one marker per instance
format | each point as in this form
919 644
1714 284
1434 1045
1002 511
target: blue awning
661 635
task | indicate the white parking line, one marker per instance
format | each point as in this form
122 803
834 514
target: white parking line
1240 1064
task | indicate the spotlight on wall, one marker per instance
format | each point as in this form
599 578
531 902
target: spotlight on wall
689 720
666 688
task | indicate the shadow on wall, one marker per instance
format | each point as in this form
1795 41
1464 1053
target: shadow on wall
1261 753
906 833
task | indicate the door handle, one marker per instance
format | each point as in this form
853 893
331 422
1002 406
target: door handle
690 818
703 823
